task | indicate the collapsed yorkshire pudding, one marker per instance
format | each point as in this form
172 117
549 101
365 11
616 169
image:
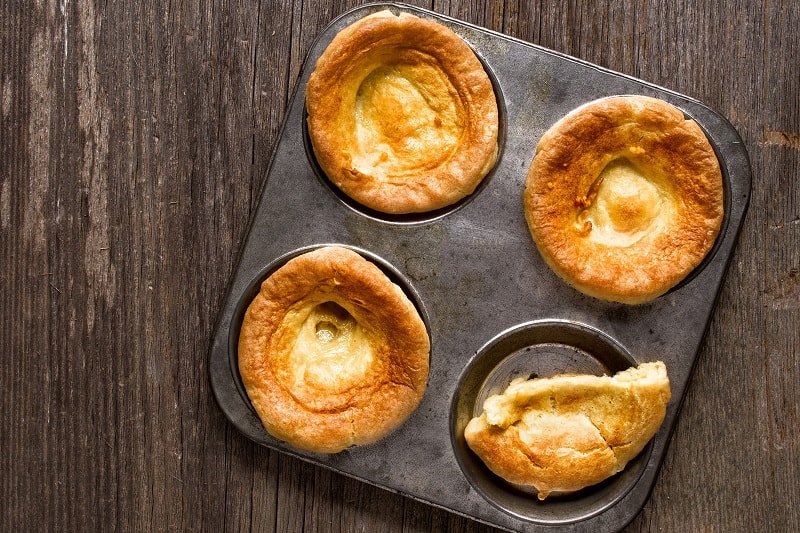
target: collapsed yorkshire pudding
401 115
331 352
568 432
624 198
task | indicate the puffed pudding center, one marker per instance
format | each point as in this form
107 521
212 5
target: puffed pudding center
625 206
332 351
408 116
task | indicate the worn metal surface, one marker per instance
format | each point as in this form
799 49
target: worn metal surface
475 273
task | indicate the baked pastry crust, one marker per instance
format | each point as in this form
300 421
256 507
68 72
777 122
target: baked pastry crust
331 352
568 432
624 198
401 115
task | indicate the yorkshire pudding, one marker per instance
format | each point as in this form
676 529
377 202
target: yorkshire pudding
568 432
624 198
331 352
401 115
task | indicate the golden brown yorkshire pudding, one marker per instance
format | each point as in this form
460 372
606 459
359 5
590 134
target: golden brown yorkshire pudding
568 432
331 352
624 198
401 115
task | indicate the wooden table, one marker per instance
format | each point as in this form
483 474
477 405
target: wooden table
135 139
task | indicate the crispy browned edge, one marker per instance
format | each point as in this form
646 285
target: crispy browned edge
396 381
330 100
571 155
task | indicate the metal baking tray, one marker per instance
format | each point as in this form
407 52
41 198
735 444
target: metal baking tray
493 307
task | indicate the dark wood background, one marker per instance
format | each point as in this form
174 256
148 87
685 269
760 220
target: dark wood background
135 138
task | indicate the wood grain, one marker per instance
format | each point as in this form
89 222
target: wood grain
134 141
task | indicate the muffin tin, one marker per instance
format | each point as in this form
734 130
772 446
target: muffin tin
493 308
